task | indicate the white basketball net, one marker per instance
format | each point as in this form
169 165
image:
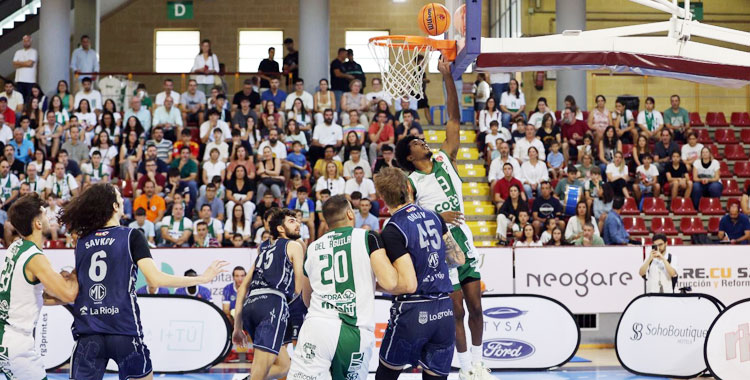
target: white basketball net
400 67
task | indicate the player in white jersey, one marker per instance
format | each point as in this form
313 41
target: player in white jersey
26 281
337 338
437 186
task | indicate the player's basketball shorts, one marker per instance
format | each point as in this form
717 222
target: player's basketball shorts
330 349
265 316
92 352
297 312
19 359
465 273
420 332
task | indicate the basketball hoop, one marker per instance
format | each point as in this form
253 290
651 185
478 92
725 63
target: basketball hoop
403 61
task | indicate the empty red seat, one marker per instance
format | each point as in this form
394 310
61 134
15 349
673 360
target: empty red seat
683 206
716 119
675 241
585 115
730 187
663 226
742 169
635 114
740 119
54 244
713 224
630 207
714 151
745 136
127 188
711 206
691 225
703 136
627 149
725 136
635 225
654 206
695 120
735 152
558 115
724 171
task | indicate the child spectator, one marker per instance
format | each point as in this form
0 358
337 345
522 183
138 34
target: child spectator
297 161
555 161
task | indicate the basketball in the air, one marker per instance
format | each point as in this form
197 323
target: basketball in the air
434 19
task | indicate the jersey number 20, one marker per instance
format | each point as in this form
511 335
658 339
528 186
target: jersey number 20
336 268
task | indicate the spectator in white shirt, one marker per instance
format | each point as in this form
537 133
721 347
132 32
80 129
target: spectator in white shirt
141 113
489 114
168 91
324 134
207 64
220 145
15 99
212 123
299 93
537 116
376 95
533 172
481 95
355 161
213 166
25 63
496 133
277 147
691 151
93 96
168 117
62 184
84 59
647 176
365 186
496 166
523 145
650 121
512 103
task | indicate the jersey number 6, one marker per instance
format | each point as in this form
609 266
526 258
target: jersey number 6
98 267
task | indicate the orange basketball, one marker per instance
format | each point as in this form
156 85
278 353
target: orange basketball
434 19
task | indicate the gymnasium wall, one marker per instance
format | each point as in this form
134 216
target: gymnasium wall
127 36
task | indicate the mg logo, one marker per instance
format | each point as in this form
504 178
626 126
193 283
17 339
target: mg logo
433 260
97 292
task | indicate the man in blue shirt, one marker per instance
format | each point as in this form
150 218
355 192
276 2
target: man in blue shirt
196 291
84 59
274 94
24 149
734 228
614 232
363 219
229 294
145 289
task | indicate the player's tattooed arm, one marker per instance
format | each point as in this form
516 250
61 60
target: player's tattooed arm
453 127
454 256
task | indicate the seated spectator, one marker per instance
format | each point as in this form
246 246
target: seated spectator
240 191
152 175
555 161
163 146
185 140
37 184
609 143
380 133
175 189
602 202
363 185
388 160
188 169
330 180
545 207
557 240
533 172
647 179
528 238
329 155
210 199
242 114
734 228
375 96
192 104
108 123
95 171
658 270
9 184
355 125
9 116
197 291
213 167
145 289
274 95
501 187
355 160
144 225
512 103
641 148
299 93
517 228
325 133
168 92
131 153
599 117
614 232
169 118
241 158
549 132
238 224
618 177
322 100
650 122
497 164
363 218
294 134
691 151
542 109
385 107
406 106
589 237
297 161
663 149
571 180
16 167
546 235
24 149
406 126
278 148
530 140
575 227
208 127
304 204
586 148
706 177
354 100
86 119
269 174
678 177
217 144
229 293
63 185
351 142
247 93
494 138
573 130
48 135
490 113
239 140
103 145
215 229
140 113
176 229
150 201
509 212
624 123
88 93
677 119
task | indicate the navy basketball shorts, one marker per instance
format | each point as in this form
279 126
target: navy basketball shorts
297 312
420 332
92 352
265 317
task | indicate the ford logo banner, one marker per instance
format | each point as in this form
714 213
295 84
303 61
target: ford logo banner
503 312
506 349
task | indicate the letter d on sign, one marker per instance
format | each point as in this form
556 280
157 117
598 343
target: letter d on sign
180 10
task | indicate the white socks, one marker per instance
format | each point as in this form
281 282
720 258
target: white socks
464 359
476 354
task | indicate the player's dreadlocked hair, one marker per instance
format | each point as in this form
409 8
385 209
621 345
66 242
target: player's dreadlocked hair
403 150
89 210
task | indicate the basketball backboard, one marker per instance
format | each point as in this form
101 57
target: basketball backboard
466 29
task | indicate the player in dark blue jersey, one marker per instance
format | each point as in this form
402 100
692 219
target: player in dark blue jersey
421 331
272 281
106 322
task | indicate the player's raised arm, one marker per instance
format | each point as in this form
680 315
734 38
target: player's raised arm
63 288
453 128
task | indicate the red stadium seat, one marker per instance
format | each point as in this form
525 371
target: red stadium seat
713 224
703 136
730 187
558 115
635 114
695 120
627 149
692 226
585 115
654 206
724 171
725 136
663 226
675 241
716 119
127 188
735 152
742 169
711 206
195 135
740 119
635 225
683 206
745 136
714 151
630 207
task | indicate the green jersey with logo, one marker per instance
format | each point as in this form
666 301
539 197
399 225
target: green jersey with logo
20 300
440 190
341 277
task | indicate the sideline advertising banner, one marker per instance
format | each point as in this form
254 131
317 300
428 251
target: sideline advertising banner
585 279
655 324
52 336
721 271
727 350
496 267
177 261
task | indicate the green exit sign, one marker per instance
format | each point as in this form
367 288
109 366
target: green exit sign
696 8
180 10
